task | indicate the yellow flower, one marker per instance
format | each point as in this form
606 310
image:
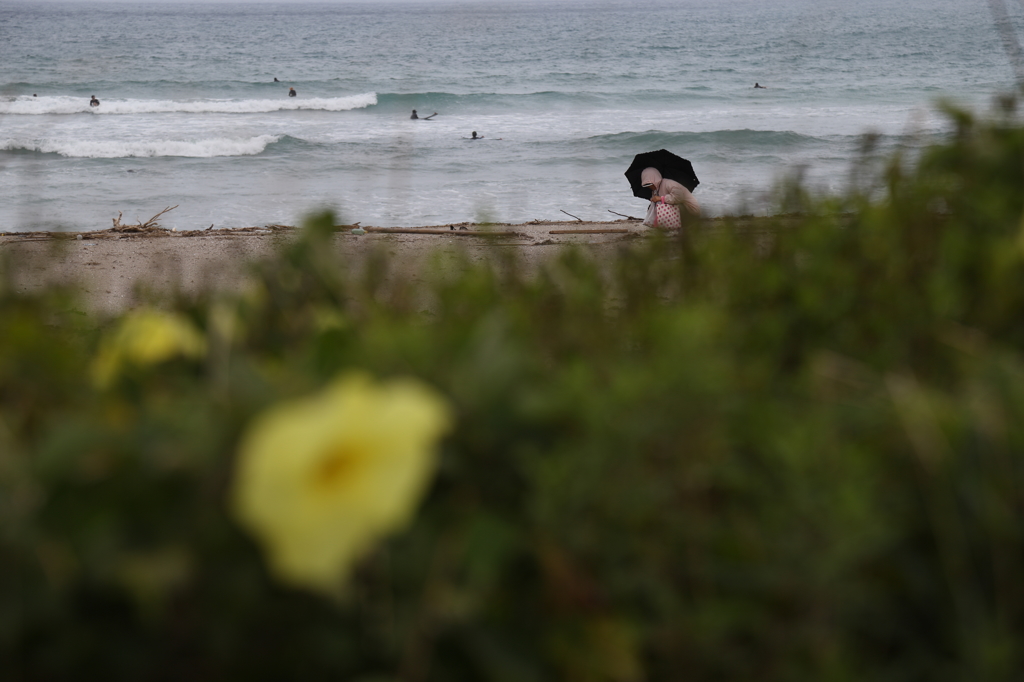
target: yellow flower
147 337
319 480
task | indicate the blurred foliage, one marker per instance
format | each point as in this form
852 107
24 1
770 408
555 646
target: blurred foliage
789 455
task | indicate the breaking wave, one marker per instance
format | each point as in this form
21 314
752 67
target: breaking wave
29 106
108 149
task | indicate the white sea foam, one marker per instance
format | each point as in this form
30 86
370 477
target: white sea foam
109 149
30 106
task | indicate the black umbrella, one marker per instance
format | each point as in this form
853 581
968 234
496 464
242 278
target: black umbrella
668 164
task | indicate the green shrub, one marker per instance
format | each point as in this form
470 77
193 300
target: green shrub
710 457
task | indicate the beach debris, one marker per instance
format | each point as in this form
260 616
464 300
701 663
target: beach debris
151 224
462 232
357 230
571 215
627 217
604 230
338 228
149 229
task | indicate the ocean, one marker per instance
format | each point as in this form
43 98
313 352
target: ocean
563 93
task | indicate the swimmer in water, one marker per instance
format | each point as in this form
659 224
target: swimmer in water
275 80
94 102
291 92
758 86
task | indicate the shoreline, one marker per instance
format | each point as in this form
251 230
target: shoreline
113 268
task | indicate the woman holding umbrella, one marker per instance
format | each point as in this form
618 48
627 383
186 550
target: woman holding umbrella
667 191
667 181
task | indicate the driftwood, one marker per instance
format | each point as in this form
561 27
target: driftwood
150 229
571 215
460 233
609 230
151 224
627 217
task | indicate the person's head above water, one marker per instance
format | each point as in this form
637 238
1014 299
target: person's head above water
474 134
414 114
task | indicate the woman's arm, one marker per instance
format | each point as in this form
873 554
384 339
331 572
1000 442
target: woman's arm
674 193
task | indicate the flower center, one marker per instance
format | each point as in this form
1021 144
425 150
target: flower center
336 468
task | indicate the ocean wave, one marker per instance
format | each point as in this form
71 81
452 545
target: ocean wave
29 106
109 149
497 101
728 138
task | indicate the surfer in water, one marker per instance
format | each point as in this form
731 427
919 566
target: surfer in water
475 137
94 102
758 86
291 92
425 118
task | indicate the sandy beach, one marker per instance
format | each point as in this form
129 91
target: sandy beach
112 265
